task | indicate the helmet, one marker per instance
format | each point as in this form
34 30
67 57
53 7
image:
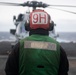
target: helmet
39 19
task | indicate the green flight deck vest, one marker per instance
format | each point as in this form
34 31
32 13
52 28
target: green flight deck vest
39 55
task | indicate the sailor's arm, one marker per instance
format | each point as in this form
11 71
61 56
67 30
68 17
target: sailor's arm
64 64
12 66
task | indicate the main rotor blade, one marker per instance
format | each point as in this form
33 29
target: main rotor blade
63 10
10 4
63 6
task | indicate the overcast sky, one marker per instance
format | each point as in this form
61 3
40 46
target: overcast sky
66 22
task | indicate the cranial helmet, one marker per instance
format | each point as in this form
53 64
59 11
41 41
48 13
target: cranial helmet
39 19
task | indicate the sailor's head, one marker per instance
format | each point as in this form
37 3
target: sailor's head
40 22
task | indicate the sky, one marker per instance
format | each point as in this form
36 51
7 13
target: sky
65 22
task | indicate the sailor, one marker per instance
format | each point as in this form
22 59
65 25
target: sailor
37 54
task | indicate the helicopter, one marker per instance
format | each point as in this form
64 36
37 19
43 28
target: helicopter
23 19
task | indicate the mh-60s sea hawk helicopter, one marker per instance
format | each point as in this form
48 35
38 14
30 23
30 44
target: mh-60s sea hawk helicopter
19 22
23 19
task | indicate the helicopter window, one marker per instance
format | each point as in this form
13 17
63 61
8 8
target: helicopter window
20 17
